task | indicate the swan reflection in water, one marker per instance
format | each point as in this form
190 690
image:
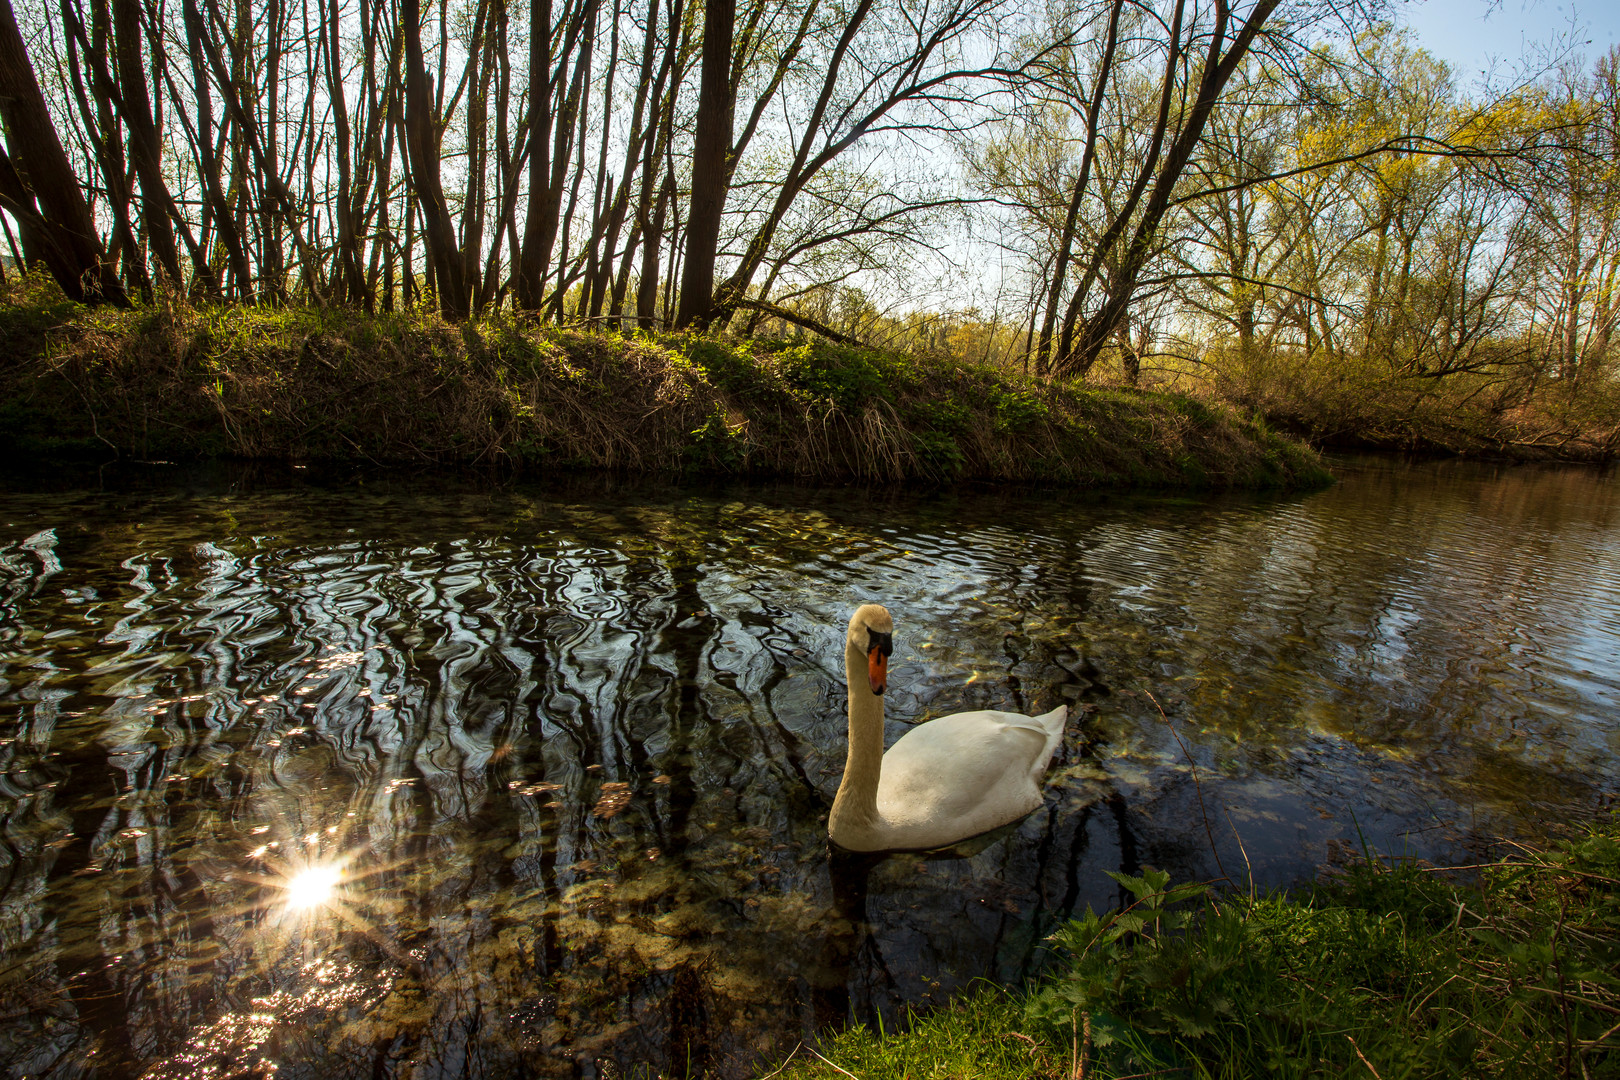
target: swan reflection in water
851 949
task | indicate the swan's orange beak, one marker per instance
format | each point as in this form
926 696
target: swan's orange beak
877 671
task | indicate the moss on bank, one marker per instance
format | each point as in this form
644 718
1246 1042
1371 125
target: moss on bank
181 381
1387 971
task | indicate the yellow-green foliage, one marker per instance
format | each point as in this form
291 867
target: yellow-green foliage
182 381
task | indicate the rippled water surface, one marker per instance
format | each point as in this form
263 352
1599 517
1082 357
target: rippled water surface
431 778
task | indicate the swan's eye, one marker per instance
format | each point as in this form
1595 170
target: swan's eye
883 643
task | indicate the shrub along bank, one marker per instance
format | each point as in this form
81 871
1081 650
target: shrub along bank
1387 972
181 381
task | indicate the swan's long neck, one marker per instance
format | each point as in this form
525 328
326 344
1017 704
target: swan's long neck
855 806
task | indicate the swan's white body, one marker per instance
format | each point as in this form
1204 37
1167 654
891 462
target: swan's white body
944 781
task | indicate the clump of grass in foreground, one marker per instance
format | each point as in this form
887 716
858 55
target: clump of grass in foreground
981 1035
1388 972
183 380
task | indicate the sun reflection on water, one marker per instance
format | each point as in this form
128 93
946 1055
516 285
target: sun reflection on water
312 887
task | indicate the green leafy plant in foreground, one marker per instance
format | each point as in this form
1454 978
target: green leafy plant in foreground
1389 972
1143 958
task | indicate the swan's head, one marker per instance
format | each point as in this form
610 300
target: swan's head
872 632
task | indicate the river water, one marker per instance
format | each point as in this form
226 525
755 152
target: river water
366 777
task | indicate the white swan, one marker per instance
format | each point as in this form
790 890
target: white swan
944 781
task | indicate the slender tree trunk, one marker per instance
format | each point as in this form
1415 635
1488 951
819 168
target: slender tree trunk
647 287
531 268
550 138
272 271
422 155
208 160
507 166
606 193
580 105
1066 241
650 217
145 151
803 169
349 278
1104 250
480 63
106 140
710 168
1217 71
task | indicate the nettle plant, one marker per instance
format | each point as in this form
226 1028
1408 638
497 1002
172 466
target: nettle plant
1159 960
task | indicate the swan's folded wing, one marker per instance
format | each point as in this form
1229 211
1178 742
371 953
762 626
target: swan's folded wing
966 766
1051 725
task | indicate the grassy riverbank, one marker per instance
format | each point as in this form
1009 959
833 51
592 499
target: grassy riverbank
180 381
1506 970
1510 411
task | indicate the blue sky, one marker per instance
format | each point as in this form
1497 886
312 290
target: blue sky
1470 33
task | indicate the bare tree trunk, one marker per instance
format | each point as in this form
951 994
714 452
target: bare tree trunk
135 105
606 193
1110 238
480 62
349 280
551 140
641 139
1089 155
67 231
373 188
1217 71
422 154
508 166
272 272
107 143
580 105
650 217
711 170
647 288
277 203
803 169
531 269
208 160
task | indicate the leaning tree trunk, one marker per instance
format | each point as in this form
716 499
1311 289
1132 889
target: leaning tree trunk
1066 241
1218 69
71 247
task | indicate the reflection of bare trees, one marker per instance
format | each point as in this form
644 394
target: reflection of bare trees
574 757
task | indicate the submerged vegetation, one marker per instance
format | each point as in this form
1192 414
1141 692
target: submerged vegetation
336 384
1388 970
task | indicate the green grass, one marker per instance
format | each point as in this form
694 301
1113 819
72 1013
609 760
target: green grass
184 381
1392 971
980 1035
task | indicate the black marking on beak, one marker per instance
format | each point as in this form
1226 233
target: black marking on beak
883 643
